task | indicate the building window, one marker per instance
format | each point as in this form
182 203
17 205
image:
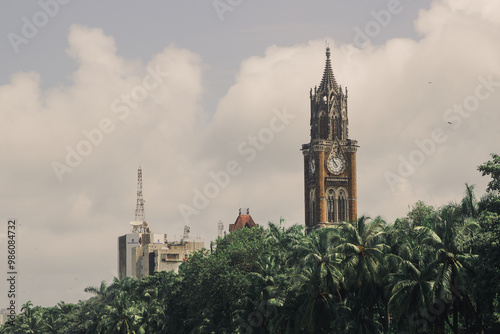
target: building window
312 207
323 126
339 128
330 203
342 205
173 256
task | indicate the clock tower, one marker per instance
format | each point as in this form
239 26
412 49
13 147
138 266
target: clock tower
330 157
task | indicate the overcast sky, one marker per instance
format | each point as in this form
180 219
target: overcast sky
197 91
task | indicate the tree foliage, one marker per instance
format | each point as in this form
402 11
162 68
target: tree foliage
492 168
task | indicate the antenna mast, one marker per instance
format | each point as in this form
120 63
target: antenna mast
139 225
220 229
139 209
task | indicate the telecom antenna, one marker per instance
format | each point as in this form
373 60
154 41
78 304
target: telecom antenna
139 224
221 229
186 232
139 209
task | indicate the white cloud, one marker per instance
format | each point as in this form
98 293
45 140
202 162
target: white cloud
96 199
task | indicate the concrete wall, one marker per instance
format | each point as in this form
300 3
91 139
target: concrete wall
140 259
126 262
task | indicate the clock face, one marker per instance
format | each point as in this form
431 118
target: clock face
335 165
312 166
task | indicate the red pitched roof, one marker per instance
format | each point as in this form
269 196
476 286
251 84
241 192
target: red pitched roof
241 222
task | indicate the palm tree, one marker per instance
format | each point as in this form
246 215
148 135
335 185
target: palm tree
469 203
91 314
154 313
266 294
353 318
361 247
409 278
127 288
100 291
318 281
410 294
123 317
451 242
51 317
285 239
114 309
29 321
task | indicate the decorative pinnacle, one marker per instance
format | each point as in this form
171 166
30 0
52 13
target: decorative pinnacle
328 81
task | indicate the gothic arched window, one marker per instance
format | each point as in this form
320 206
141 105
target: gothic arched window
330 203
342 205
312 207
339 128
323 125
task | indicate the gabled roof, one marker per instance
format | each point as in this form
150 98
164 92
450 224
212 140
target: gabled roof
241 222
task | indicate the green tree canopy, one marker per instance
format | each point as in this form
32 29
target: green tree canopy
492 168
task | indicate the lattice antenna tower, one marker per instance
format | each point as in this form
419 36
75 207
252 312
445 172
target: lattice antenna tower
220 229
139 209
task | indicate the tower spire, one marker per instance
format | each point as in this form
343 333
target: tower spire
328 81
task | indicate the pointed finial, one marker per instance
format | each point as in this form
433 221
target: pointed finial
328 81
